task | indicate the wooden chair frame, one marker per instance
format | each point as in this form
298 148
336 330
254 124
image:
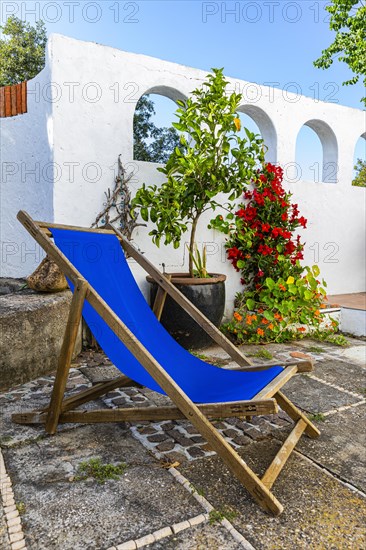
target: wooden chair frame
62 410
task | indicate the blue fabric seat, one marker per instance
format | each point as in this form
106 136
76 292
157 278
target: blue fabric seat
100 259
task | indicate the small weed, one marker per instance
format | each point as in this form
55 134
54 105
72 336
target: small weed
5 439
263 354
316 349
336 339
197 490
199 355
216 516
362 391
318 417
205 358
20 506
100 472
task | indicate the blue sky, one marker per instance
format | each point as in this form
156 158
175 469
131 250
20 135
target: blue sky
259 41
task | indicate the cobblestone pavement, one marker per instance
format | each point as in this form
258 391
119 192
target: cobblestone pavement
175 492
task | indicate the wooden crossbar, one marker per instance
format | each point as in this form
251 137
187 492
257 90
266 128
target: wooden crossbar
62 410
90 394
211 410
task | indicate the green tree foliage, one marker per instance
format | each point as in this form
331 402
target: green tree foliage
151 144
210 159
22 50
348 20
360 178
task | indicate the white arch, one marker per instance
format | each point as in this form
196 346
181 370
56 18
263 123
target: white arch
329 143
266 127
166 91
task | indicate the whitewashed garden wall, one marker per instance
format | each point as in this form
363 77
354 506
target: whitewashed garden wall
58 159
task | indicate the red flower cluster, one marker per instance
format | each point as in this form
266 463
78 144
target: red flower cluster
234 254
267 219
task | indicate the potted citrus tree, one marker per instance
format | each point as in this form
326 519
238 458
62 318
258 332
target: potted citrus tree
212 158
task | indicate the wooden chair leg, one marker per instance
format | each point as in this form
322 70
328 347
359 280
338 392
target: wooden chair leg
159 301
283 454
294 413
67 349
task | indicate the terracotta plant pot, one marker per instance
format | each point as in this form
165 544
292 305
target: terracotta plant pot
208 295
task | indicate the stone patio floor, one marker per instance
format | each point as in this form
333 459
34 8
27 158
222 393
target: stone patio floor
175 493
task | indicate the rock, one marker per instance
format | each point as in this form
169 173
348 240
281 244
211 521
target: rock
300 355
47 277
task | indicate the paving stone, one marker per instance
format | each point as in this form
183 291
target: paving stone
88 514
175 456
162 533
165 446
230 433
130 391
180 526
119 401
255 434
198 439
196 452
314 397
231 421
341 445
344 374
144 541
157 438
15 537
241 440
319 512
199 537
220 425
148 430
191 429
129 545
102 373
138 398
168 426
180 438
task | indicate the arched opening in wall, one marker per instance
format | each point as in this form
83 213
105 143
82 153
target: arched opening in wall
359 163
154 137
258 122
316 153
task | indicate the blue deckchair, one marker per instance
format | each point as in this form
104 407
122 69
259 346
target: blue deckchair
107 296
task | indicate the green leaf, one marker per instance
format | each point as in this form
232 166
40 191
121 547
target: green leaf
316 271
144 214
250 304
268 315
270 283
308 295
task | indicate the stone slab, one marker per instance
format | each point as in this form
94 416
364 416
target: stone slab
344 374
34 396
341 447
319 512
74 515
201 537
315 397
101 374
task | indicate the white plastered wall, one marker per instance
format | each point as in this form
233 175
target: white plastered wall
95 90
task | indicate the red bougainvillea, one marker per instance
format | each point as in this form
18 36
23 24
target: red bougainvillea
281 299
260 240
